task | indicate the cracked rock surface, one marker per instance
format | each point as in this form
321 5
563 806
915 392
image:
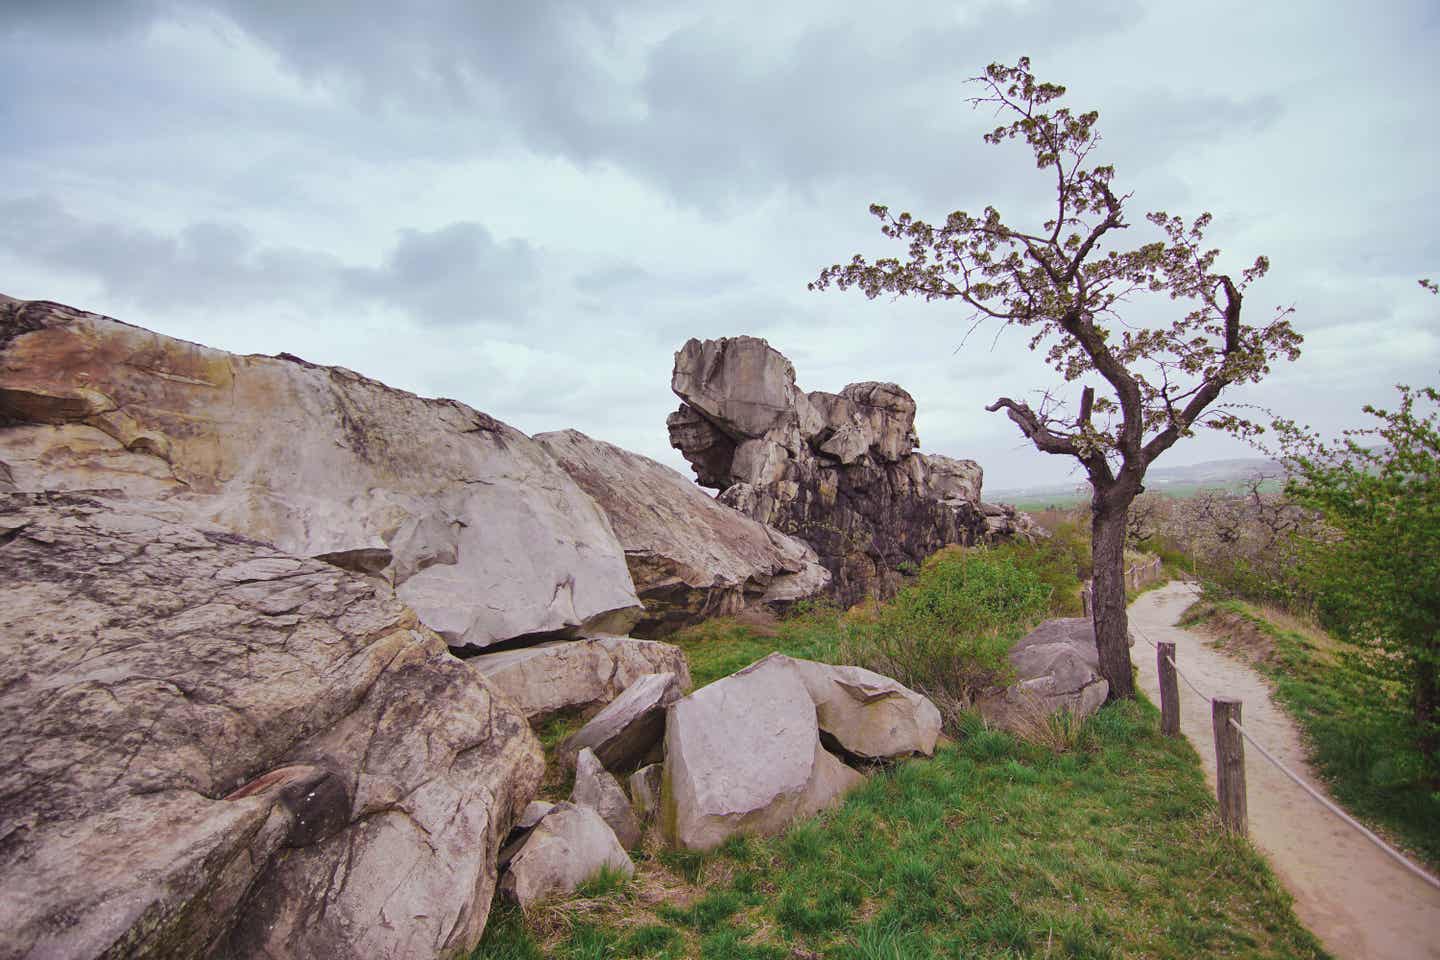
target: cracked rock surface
215 748
691 556
478 529
837 470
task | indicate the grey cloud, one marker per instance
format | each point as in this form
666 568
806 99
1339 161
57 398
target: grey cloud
455 275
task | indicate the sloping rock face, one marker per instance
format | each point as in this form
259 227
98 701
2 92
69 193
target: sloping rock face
215 748
743 755
477 528
624 733
1057 667
597 788
691 556
839 471
569 846
579 675
866 714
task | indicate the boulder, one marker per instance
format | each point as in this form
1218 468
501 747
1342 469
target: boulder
690 556
569 846
218 749
625 732
836 470
645 785
1057 667
865 714
596 788
533 813
577 675
743 755
475 526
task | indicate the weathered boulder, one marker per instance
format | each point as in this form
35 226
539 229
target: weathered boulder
566 848
1057 667
691 557
473 523
743 755
645 785
214 748
578 675
597 788
837 470
625 732
866 714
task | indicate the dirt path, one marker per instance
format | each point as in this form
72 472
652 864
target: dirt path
1360 903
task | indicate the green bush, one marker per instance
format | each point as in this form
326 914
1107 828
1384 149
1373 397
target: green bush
948 634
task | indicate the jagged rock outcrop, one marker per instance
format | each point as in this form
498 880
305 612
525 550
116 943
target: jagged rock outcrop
577 675
216 748
474 524
691 557
596 788
838 471
865 714
1057 667
629 728
571 844
743 755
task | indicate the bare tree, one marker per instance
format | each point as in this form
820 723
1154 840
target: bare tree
1066 283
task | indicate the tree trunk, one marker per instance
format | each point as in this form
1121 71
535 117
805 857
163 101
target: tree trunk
1112 625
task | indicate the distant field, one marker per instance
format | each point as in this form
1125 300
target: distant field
1035 500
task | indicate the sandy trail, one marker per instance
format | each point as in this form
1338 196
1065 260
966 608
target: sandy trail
1359 902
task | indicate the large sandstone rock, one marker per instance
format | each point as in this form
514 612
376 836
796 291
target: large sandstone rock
578 675
743 755
625 732
215 748
691 557
1057 667
569 846
837 470
597 788
478 529
868 715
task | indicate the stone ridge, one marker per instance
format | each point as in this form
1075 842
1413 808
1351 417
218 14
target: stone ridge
215 748
690 556
839 471
470 520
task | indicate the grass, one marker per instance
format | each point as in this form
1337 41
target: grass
1355 726
994 848
946 634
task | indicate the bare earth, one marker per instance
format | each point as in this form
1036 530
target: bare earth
1359 902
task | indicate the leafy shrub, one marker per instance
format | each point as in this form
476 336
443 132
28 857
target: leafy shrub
948 634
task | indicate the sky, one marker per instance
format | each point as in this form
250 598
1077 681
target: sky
530 207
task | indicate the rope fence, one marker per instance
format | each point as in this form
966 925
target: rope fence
1230 763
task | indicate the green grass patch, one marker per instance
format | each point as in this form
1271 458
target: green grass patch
994 848
1356 726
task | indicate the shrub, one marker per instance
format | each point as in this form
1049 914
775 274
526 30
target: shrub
948 634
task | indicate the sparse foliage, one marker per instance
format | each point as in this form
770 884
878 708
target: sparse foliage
1066 283
1376 567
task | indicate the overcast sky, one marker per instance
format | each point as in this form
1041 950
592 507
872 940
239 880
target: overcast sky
530 206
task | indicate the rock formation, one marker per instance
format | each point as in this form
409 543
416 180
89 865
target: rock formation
568 846
1057 667
216 748
743 755
596 788
839 471
624 733
578 675
691 557
473 523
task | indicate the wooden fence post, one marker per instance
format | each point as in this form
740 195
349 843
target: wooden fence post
1169 689
1229 764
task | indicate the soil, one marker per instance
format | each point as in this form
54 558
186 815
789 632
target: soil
1359 902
